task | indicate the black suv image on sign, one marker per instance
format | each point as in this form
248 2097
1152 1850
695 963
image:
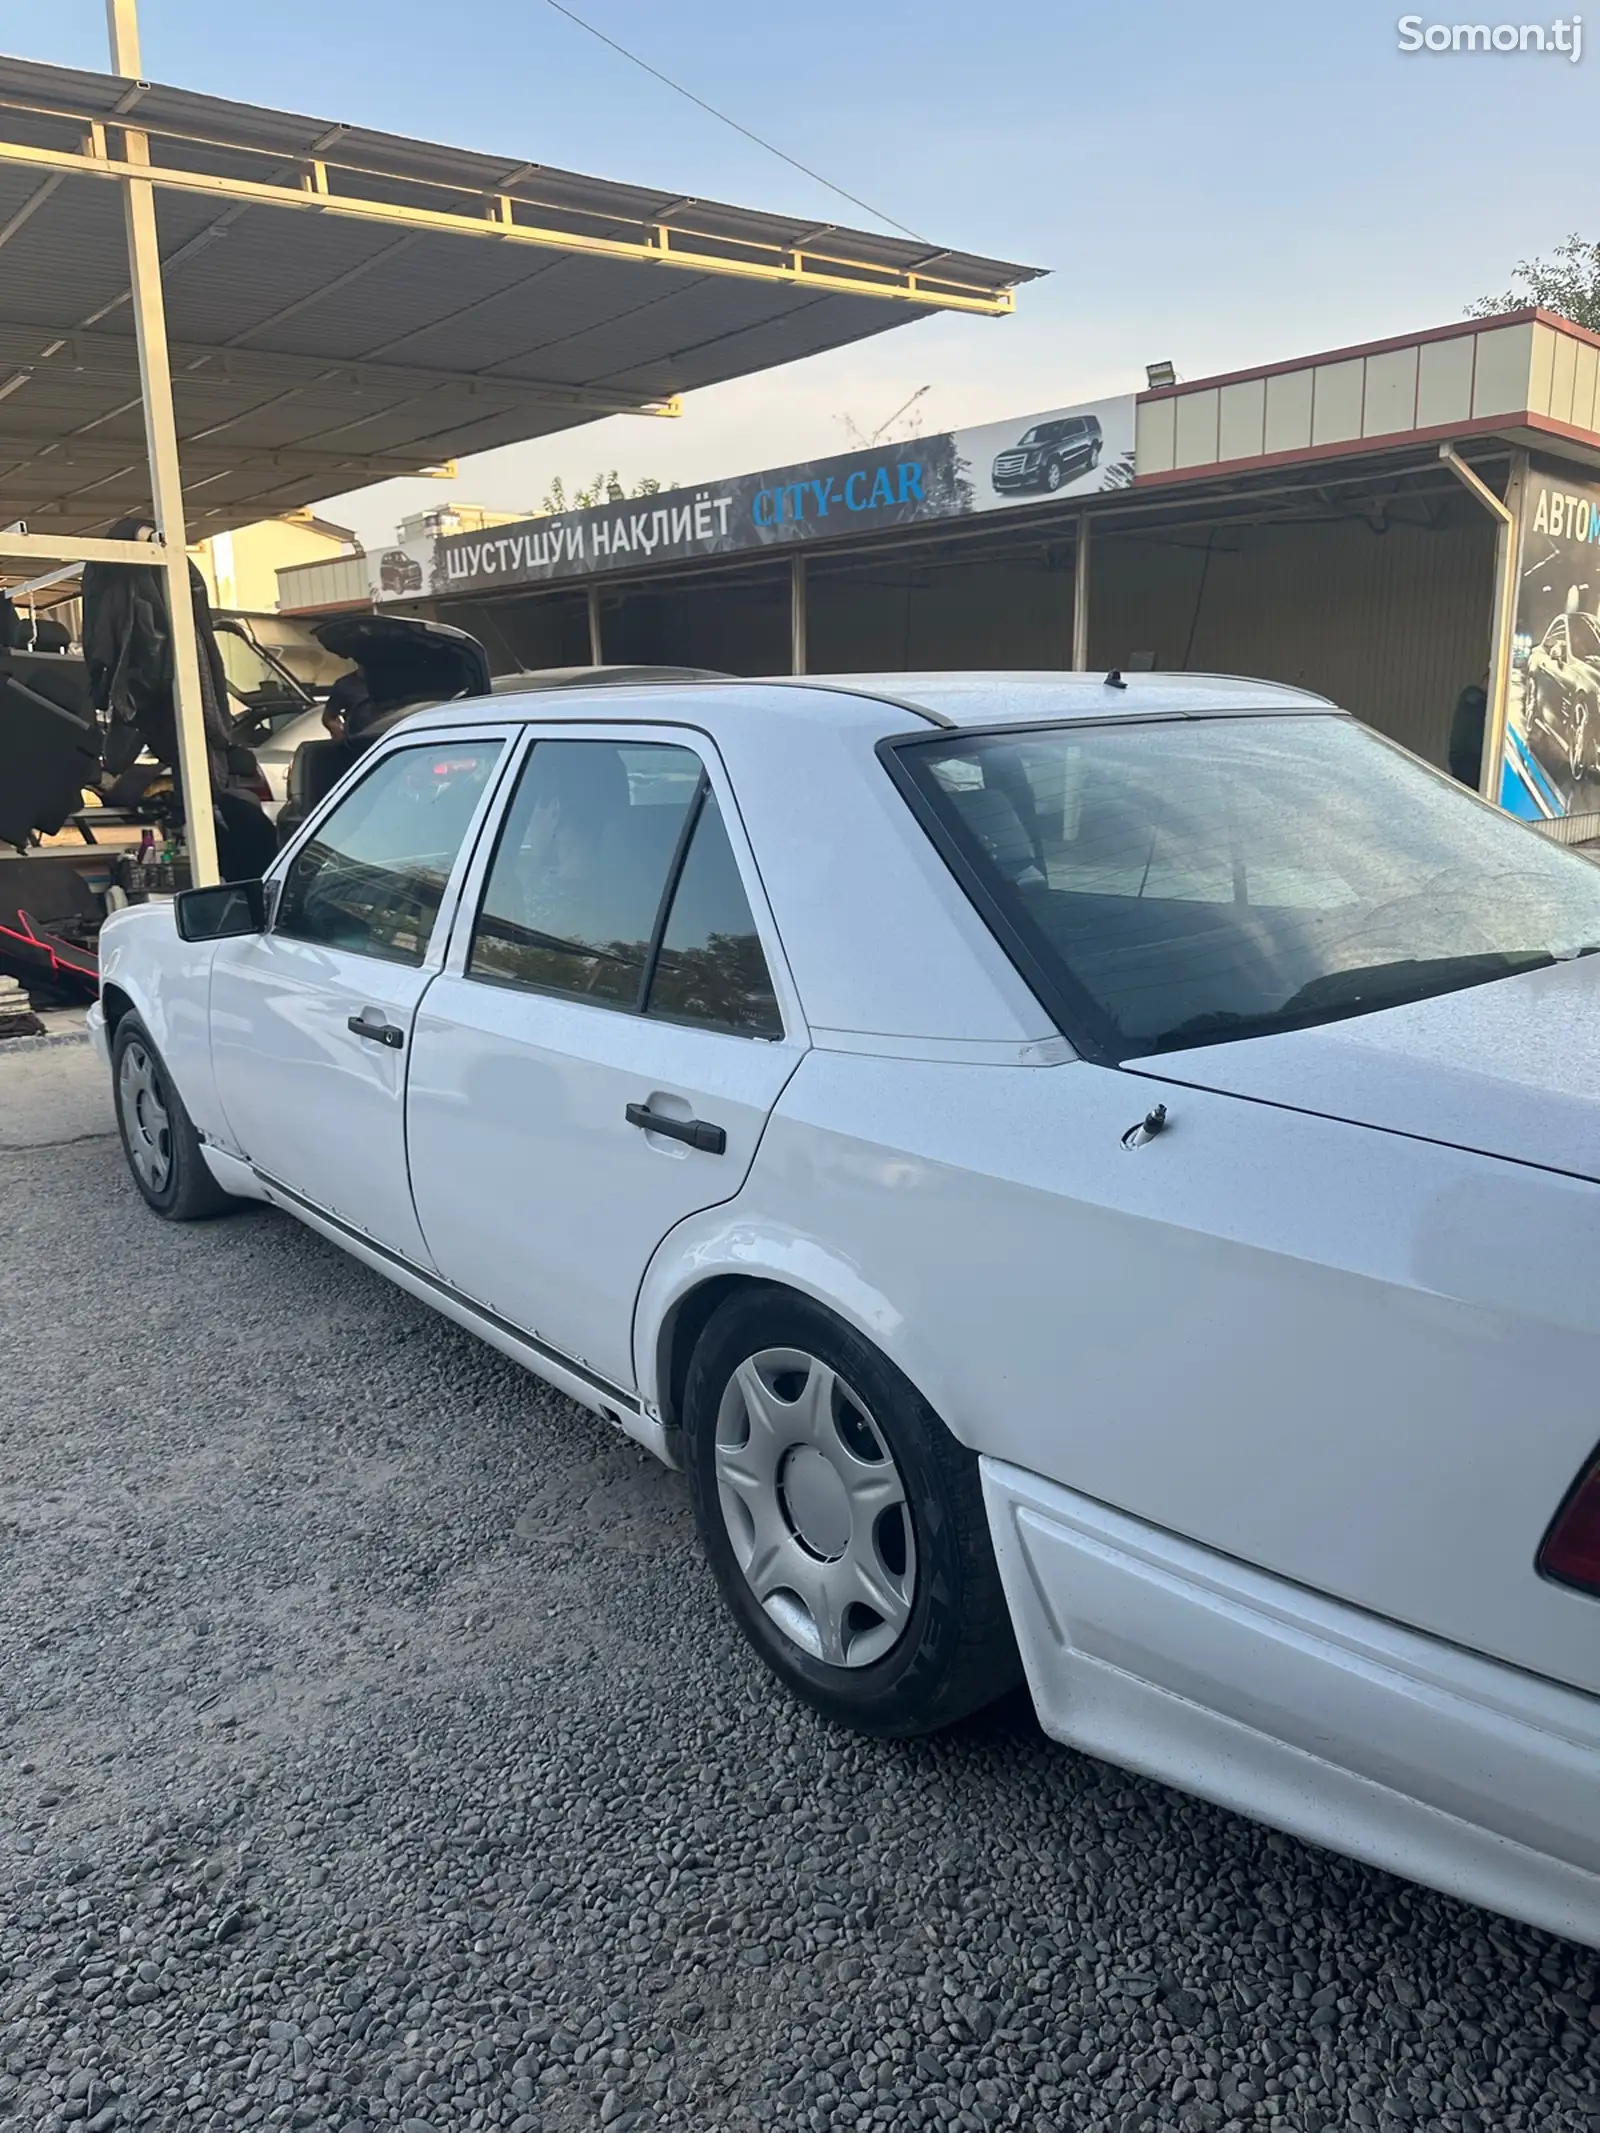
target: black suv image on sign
399 572
1050 454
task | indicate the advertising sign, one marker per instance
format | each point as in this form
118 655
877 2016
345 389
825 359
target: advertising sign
402 571
1071 451
1551 765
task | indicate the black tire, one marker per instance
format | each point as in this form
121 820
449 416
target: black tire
1533 710
1586 737
158 1135
1054 475
956 1651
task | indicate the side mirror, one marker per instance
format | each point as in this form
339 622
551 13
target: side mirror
221 913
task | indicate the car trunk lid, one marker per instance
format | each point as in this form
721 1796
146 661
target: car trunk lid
1508 1069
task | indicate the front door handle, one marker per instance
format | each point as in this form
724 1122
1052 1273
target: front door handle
697 1132
378 1032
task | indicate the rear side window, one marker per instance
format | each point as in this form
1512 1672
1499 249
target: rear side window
372 877
710 969
614 882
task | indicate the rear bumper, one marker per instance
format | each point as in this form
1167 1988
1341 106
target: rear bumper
1300 1711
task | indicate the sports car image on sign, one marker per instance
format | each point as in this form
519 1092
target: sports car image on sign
1551 763
1117 1213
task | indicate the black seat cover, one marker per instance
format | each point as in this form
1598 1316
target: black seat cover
49 745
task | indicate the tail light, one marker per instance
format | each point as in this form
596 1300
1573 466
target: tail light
1570 1551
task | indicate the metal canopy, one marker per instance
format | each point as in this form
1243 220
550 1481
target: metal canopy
413 304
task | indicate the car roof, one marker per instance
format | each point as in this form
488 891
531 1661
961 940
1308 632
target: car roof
1005 699
955 700
616 677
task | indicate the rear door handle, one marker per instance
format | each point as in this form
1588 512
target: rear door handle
697 1132
379 1032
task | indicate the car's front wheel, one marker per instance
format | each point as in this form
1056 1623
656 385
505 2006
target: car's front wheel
158 1135
1054 475
844 1523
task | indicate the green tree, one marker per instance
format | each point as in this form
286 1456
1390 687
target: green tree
603 489
1567 282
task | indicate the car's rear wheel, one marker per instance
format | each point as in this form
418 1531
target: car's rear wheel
1578 739
158 1135
844 1523
1585 737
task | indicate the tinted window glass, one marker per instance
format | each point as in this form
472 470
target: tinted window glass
1583 634
577 881
371 878
1194 882
711 970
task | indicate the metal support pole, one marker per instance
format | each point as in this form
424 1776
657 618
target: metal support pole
797 614
1080 596
166 483
597 651
1502 627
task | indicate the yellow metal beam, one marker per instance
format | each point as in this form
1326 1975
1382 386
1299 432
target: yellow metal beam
672 248
166 482
19 548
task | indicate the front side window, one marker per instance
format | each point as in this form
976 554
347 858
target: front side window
372 875
581 867
614 882
1189 882
1583 634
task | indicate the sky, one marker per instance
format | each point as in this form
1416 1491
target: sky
1216 185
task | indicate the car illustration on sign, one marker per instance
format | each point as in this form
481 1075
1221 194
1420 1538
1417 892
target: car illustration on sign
399 572
1050 455
1561 690
1151 1259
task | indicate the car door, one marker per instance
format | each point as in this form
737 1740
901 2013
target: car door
600 1055
311 1020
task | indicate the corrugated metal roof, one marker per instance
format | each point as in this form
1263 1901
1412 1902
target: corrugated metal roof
313 351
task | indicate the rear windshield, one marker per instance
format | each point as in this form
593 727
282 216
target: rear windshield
1190 882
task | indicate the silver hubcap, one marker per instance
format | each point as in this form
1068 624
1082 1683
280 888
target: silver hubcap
144 1117
815 1508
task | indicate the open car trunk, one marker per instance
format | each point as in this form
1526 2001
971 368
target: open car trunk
403 663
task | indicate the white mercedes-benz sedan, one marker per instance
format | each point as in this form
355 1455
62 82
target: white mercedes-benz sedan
1092 1181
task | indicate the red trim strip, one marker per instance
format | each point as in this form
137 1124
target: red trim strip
60 954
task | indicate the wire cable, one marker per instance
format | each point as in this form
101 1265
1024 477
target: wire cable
678 88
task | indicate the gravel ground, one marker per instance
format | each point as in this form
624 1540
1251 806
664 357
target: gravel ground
374 1752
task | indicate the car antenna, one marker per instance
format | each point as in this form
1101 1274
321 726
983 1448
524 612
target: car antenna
1114 679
